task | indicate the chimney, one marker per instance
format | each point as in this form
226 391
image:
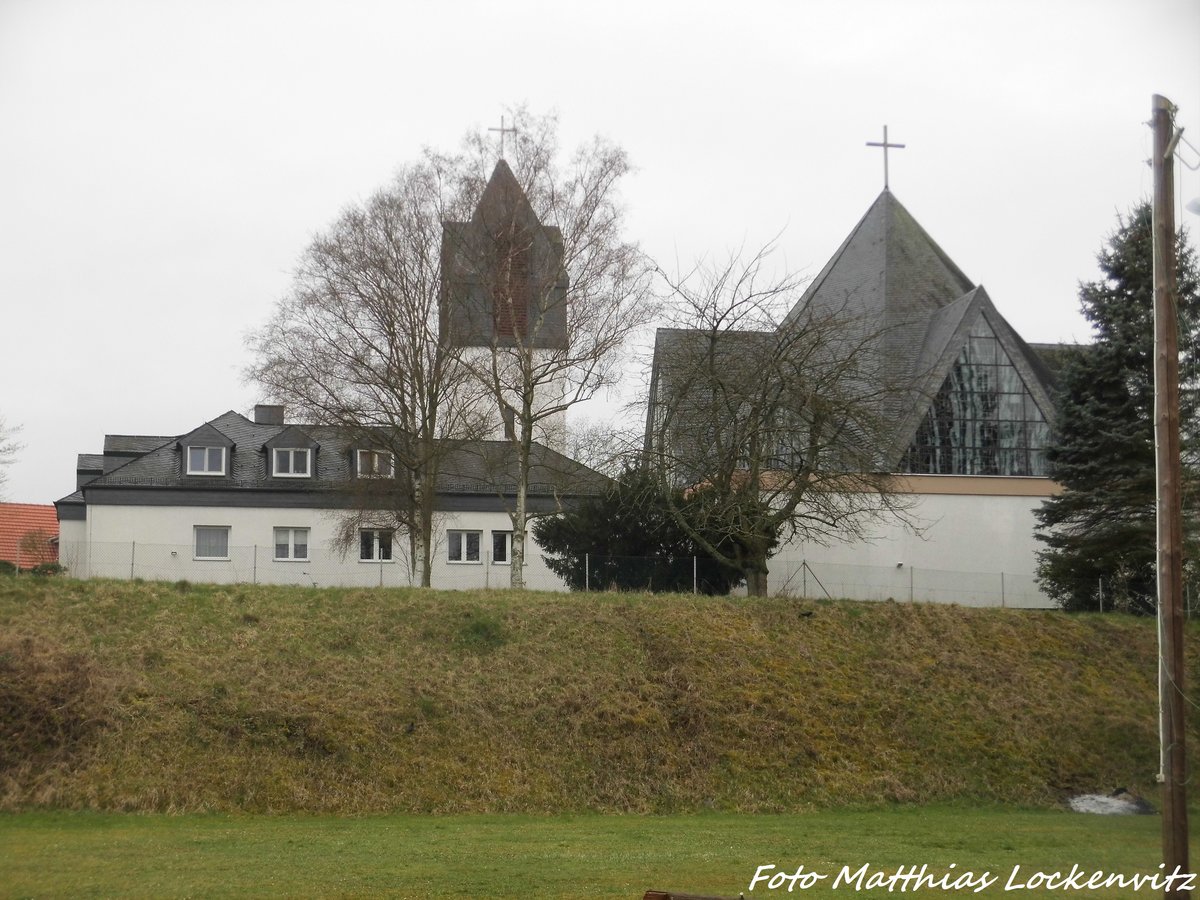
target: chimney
265 414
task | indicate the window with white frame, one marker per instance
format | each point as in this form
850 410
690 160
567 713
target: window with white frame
501 548
375 545
206 460
291 543
212 542
374 464
291 462
463 546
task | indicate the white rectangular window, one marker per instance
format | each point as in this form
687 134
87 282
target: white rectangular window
212 542
501 547
374 545
206 460
374 464
463 546
291 462
291 543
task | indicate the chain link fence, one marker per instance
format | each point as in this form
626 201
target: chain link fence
594 572
259 565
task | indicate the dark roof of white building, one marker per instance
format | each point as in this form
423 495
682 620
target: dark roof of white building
154 469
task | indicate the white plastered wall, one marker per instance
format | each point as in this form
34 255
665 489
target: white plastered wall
973 544
158 543
550 431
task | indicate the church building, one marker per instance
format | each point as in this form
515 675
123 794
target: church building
968 432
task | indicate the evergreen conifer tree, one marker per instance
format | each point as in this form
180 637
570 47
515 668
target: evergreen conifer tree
1100 532
628 540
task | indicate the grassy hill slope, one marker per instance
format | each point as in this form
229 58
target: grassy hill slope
132 696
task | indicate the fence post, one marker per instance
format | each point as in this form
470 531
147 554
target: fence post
587 573
911 576
1100 582
1002 590
132 557
254 566
804 570
695 577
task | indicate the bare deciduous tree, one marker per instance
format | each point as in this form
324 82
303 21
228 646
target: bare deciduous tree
449 286
773 425
9 448
561 288
355 344
35 548
603 445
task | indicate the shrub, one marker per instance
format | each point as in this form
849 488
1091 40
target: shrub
47 568
7 568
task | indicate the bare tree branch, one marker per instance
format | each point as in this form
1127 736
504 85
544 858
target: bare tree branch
9 448
772 423
355 344
562 289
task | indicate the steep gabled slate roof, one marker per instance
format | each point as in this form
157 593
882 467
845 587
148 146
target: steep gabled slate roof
891 281
890 277
887 267
19 519
478 467
676 349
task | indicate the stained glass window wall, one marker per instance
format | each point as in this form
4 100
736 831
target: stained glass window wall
983 421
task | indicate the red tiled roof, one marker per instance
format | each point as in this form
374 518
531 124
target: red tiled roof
17 520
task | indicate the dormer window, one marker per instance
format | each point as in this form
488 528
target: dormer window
291 462
374 464
290 454
206 460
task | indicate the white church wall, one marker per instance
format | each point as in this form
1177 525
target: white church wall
550 431
973 545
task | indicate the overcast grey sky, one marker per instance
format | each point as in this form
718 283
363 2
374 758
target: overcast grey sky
163 164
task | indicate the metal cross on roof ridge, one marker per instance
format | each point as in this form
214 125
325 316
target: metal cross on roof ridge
885 145
502 130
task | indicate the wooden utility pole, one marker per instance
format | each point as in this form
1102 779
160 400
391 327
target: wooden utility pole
1170 512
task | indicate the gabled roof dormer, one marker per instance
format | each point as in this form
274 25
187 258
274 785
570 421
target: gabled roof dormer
372 462
206 453
292 453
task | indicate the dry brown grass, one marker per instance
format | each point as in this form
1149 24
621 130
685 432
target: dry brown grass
183 697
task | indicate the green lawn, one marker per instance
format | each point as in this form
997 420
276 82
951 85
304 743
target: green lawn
131 855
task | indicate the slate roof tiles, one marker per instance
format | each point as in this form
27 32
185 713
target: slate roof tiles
890 279
478 467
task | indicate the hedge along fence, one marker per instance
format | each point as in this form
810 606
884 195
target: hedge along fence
43 568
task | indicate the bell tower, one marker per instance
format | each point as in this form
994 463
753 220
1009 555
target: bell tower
504 293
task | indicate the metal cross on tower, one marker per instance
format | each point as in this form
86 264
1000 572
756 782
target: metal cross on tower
513 130
885 145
